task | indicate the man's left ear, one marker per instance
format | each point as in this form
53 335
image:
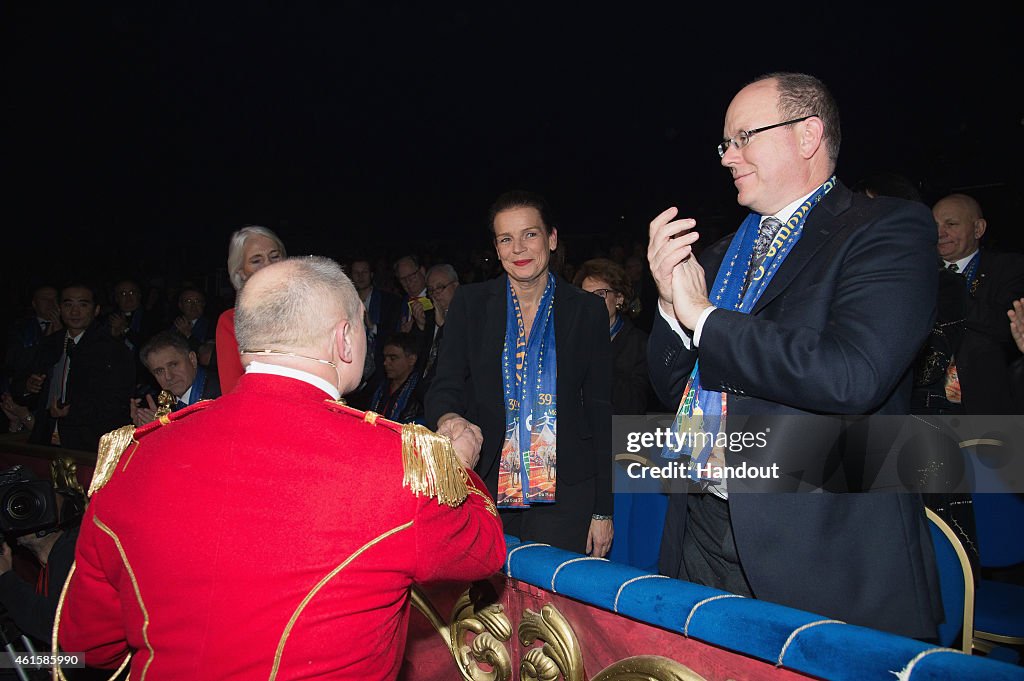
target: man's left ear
979 227
343 331
193 359
811 136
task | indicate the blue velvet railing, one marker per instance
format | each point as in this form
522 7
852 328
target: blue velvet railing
797 640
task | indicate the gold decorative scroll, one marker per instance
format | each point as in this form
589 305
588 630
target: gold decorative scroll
559 658
491 627
560 654
647 668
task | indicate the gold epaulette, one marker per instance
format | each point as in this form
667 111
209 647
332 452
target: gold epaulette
114 443
428 460
112 446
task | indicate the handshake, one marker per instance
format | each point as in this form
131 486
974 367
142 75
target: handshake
465 436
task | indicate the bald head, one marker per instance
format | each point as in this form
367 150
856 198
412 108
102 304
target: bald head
960 224
294 304
966 203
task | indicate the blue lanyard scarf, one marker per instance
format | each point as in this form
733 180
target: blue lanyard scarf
700 421
969 273
617 326
198 385
526 473
392 408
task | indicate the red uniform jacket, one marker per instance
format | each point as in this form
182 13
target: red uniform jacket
266 535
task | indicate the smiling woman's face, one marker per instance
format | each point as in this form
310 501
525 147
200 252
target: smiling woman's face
523 243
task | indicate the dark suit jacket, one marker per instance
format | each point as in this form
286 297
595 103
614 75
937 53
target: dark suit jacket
22 339
935 356
835 332
986 349
203 330
385 310
100 384
630 385
469 381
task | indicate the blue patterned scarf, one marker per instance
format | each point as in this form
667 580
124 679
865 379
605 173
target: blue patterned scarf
700 420
526 472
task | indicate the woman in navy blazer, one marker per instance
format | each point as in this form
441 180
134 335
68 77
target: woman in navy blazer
468 388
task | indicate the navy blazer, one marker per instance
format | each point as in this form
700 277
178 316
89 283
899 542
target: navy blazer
835 332
469 381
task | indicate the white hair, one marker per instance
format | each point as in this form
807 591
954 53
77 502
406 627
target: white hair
236 250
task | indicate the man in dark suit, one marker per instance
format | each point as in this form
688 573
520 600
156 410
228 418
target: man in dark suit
81 380
176 368
818 306
418 317
977 380
191 323
129 320
25 334
383 314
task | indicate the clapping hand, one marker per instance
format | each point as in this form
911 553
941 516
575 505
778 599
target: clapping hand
142 414
1016 315
682 290
183 326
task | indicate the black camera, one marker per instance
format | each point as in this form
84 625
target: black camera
29 505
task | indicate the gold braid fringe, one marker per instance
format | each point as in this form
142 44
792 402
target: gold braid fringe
431 466
112 445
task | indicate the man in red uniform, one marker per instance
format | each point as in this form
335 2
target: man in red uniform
274 533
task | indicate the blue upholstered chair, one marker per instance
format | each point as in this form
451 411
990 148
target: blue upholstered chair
999 606
956 583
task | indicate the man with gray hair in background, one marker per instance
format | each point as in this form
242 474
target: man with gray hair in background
293 522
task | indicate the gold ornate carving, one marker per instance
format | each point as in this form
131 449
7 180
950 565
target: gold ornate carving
492 628
64 474
560 653
164 404
647 668
561 656
490 625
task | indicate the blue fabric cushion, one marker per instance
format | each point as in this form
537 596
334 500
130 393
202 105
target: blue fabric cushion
999 608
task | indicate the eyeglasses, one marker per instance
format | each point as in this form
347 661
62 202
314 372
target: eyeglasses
742 138
603 292
128 294
409 277
437 289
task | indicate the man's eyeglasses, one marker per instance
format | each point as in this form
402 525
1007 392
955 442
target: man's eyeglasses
742 138
409 277
603 292
437 289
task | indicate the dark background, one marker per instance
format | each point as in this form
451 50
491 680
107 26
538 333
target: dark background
137 139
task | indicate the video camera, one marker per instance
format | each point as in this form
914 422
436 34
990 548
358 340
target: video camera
29 505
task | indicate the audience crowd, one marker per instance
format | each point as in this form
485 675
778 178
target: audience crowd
89 357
